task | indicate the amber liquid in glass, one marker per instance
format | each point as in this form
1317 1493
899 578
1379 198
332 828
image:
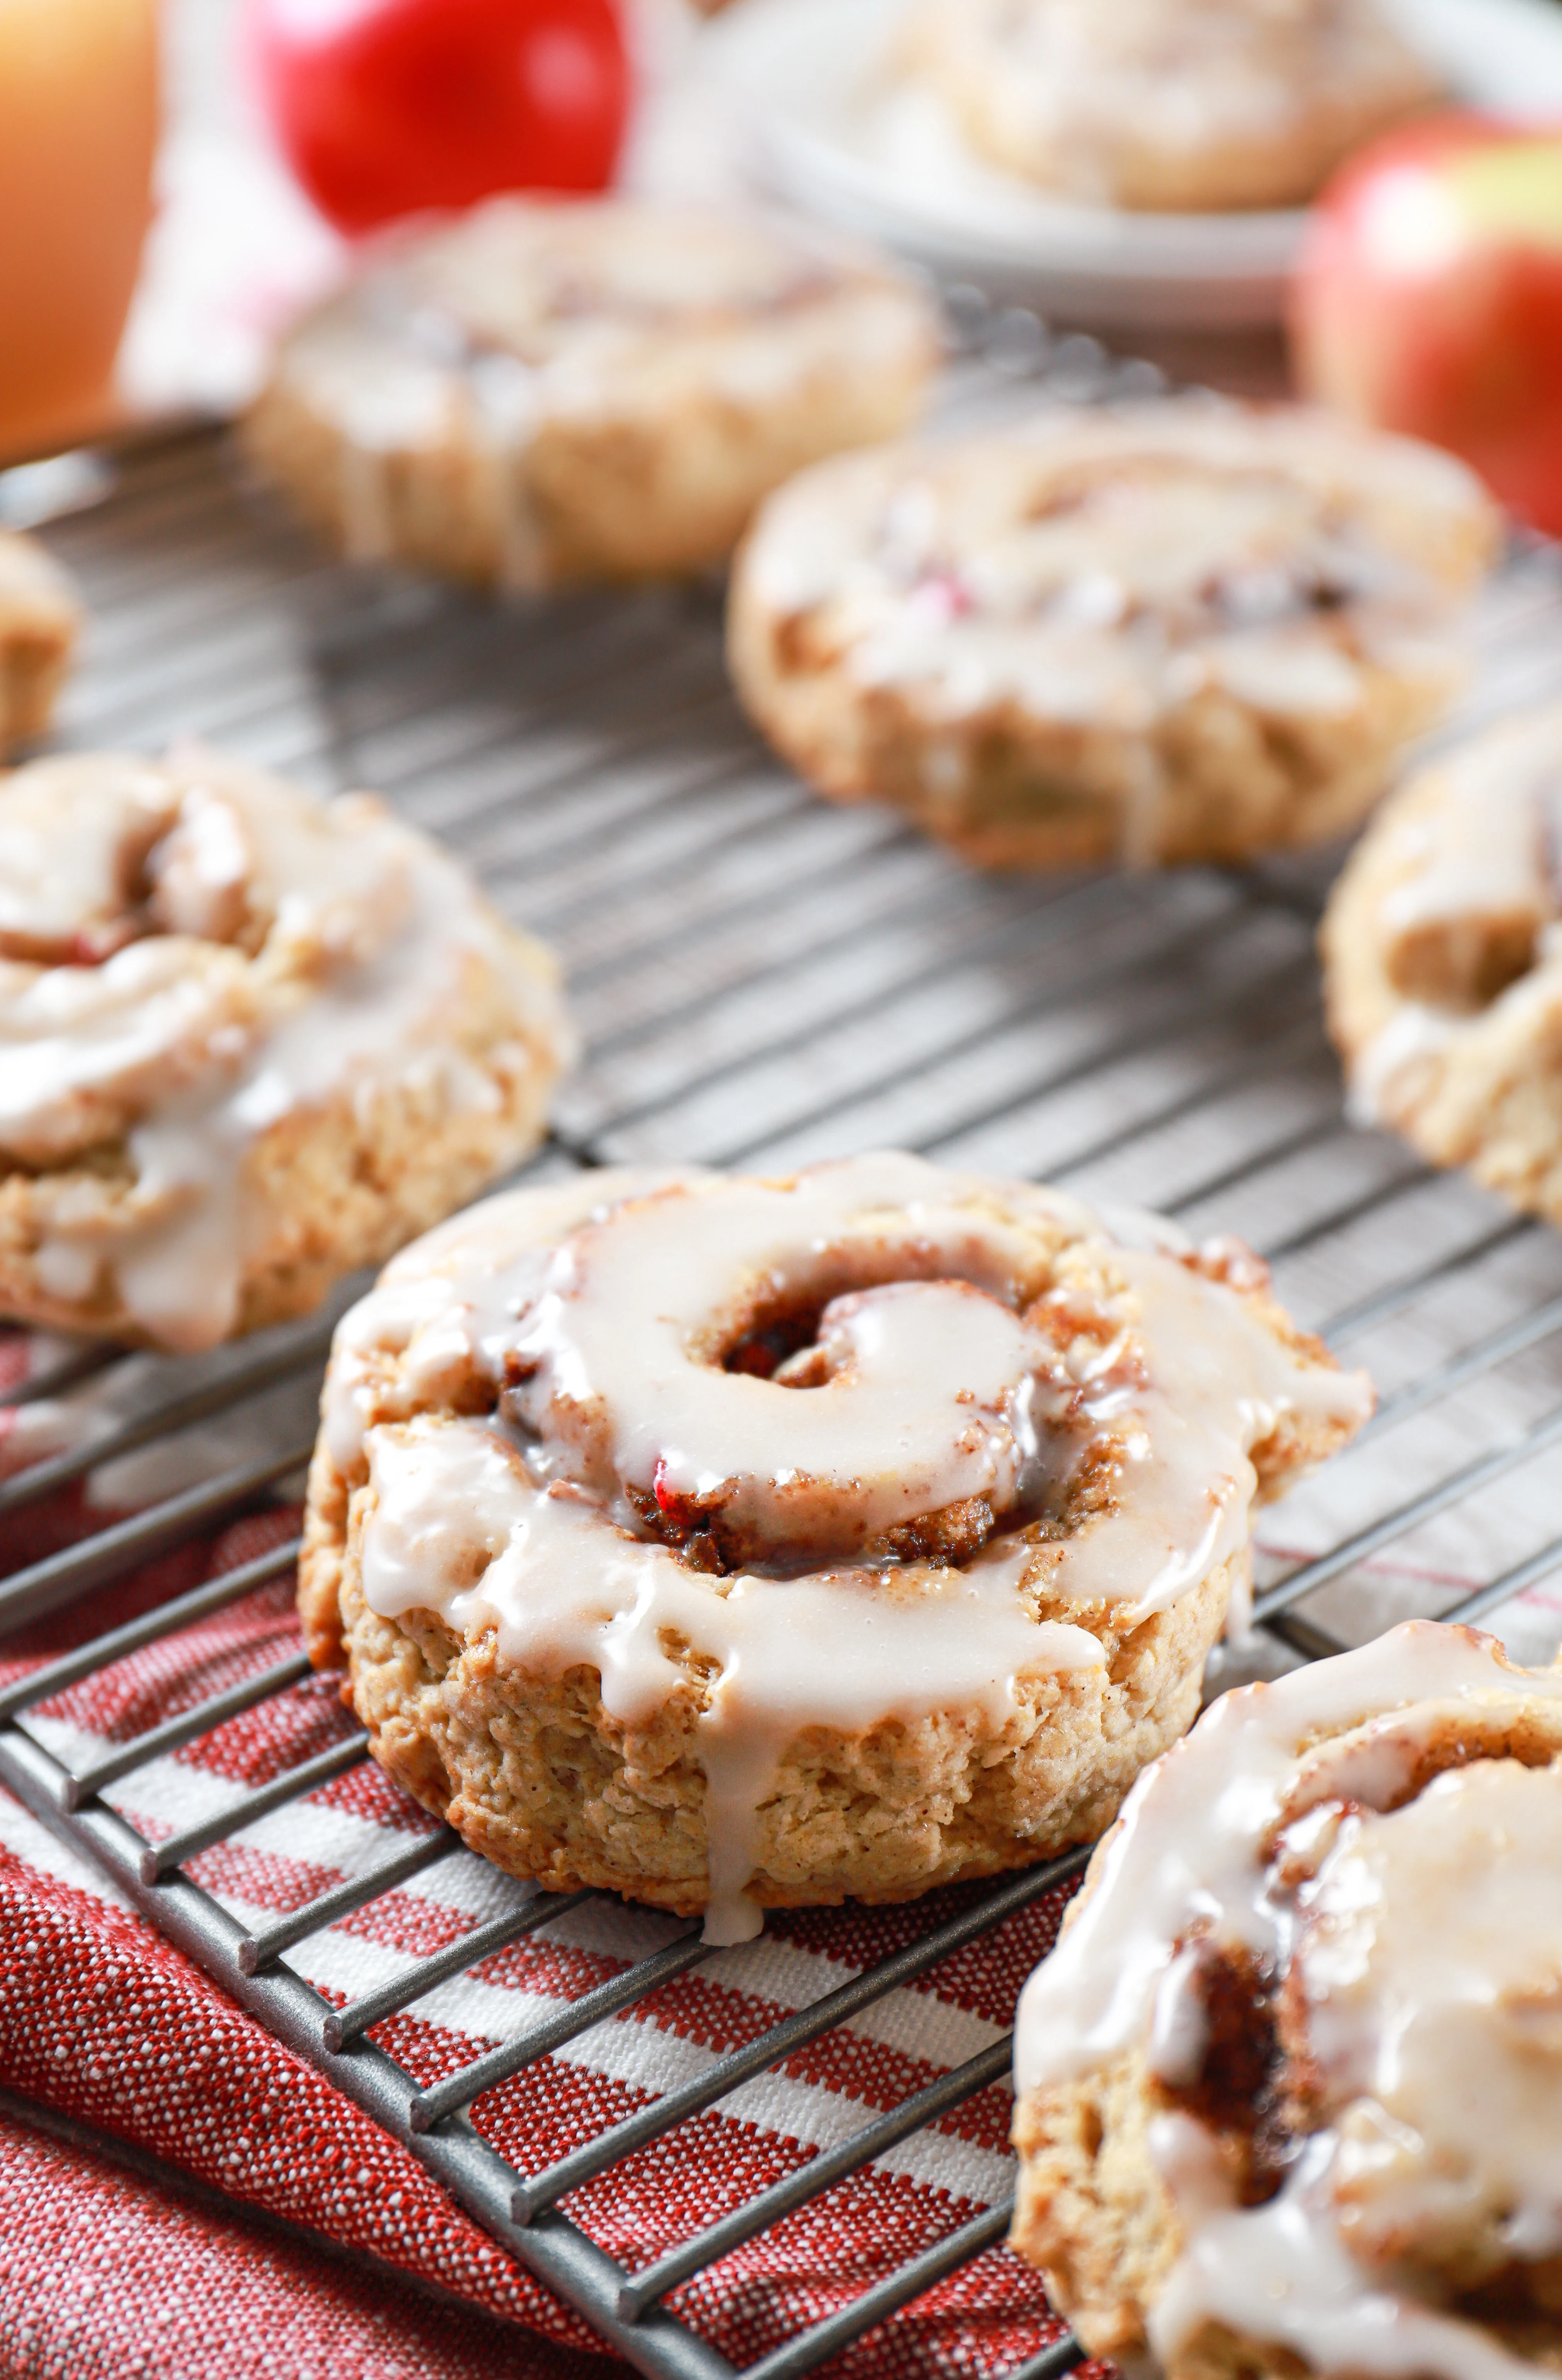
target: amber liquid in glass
78 119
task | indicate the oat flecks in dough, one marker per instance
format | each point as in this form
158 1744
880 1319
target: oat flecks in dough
554 391
1292 2078
1168 631
1443 961
249 1041
39 622
882 1544
1181 106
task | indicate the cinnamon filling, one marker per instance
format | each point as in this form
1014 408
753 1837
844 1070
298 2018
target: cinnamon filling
1240 2090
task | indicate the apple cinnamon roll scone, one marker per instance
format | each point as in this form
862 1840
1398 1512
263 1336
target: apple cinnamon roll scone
1184 105
547 391
1443 961
738 1543
1291 2084
39 622
249 1041
1168 630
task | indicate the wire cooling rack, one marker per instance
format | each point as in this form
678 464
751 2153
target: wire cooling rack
763 980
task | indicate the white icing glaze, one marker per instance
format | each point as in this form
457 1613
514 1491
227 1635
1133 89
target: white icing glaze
1415 1036
604 1310
1430 1960
338 950
1426 1943
1110 569
1473 854
525 313
1073 88
1487 847
566 1589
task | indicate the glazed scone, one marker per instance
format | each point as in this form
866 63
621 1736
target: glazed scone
1170 630
1443 961
737 1543
1184 105
249 1041
1291 2084
39 622
590 389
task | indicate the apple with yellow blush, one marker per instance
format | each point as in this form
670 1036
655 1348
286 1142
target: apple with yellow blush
1428 298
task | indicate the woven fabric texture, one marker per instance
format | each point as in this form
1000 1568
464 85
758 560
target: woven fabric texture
107 2274
103 2022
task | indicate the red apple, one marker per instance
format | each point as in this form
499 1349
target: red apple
385 107
1429 299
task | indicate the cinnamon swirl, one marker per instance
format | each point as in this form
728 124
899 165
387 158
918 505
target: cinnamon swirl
249 1041
737 1543
1292 2081
1173 630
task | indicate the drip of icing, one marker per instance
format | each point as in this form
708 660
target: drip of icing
507 399
1415 1035
606 1307
1426 1945
189 1051
565 1589
1278 2272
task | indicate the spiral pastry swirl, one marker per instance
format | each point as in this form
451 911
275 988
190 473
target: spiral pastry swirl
736 1542
1162 631
1292 2081
249 1041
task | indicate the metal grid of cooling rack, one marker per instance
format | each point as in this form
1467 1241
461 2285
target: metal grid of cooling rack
763 980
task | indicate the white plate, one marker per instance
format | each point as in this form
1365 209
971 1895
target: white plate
833 137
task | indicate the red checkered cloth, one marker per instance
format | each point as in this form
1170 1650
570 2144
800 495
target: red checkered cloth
105 2024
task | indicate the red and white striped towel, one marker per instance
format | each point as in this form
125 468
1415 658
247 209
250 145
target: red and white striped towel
103 2023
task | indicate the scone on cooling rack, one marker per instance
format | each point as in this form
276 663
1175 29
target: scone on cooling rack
737 1543
1177 629
1183 106
1291 2084
39 622
249 1041
584 389
1443 961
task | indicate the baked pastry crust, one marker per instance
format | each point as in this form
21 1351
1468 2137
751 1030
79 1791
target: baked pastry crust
577 390
1286 2084
1443 961
1175 630
629 1610
1193 106
248 1042
39 622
